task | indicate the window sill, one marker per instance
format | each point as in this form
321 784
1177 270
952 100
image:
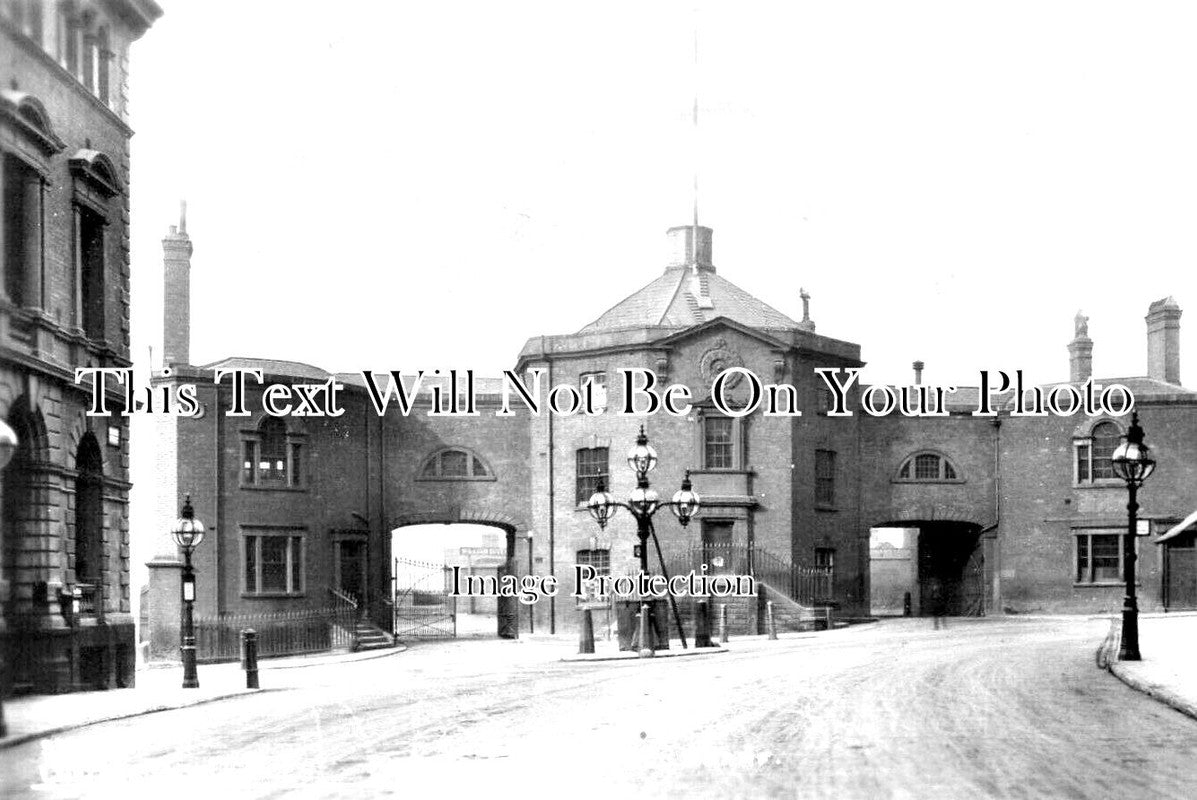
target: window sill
728 471
1101 483
1103 585
272 595
266 487
825 507
932 481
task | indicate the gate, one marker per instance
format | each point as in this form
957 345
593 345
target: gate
424 608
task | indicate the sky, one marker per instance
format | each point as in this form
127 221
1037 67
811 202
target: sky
407 185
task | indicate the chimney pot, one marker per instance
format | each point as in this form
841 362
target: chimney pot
1080 351
1163 340
918 371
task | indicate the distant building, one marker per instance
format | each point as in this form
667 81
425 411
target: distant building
65 621
957 514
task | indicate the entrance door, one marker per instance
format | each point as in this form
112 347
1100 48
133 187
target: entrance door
1181 581
352 569
717 546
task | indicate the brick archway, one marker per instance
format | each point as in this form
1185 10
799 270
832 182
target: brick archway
507 616
949 561
452 515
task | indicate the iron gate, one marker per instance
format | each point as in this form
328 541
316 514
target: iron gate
424 608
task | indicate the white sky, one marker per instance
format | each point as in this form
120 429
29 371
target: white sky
404 185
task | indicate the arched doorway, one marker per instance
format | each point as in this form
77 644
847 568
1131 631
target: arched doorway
89 512
927 568
426 547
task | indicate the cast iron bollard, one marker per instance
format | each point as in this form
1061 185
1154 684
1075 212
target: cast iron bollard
643 635
906 605
586 644
249 657
772 622
702 630
723 623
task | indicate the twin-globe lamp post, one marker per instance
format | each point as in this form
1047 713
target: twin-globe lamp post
1133 463
8 446
643 501
188 532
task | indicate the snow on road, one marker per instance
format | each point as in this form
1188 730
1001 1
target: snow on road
986 708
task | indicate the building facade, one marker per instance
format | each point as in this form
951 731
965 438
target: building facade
65 621
957 513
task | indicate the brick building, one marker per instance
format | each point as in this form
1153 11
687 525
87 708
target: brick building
65 621
1024 514
963 513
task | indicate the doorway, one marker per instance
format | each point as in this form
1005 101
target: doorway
1180 567
351 569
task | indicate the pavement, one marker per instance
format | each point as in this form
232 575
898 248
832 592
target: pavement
158 688
1168 647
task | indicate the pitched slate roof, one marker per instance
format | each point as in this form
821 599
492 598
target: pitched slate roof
271 366
682 297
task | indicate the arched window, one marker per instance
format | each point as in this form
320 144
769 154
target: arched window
89 511
454 464
928 467
1094 453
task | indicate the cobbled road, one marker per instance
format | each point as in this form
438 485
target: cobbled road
986 708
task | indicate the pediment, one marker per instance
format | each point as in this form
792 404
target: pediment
715 326
98 169
28 115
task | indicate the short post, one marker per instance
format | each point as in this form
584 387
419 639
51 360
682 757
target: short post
642 633
769 616
702 628
249 657
723 623
586 643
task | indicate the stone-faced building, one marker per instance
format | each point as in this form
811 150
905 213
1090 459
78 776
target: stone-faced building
962 513
65 619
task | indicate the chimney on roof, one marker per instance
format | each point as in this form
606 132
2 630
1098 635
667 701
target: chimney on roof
690 246
1080 351
807 324
918 372
1163 341
176 289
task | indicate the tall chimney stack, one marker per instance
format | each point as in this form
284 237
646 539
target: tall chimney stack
1080 351
176 316
1163 341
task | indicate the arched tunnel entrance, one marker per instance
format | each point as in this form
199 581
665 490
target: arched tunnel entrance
427 551
927 568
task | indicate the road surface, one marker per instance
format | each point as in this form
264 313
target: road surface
986 708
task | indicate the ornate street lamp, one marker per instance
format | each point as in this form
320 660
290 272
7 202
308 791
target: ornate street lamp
8 446
1133 462
644 502
188 533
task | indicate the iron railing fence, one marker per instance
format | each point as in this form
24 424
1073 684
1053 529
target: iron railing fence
808 586
280 633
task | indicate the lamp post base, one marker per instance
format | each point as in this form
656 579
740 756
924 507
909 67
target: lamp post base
1128 650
